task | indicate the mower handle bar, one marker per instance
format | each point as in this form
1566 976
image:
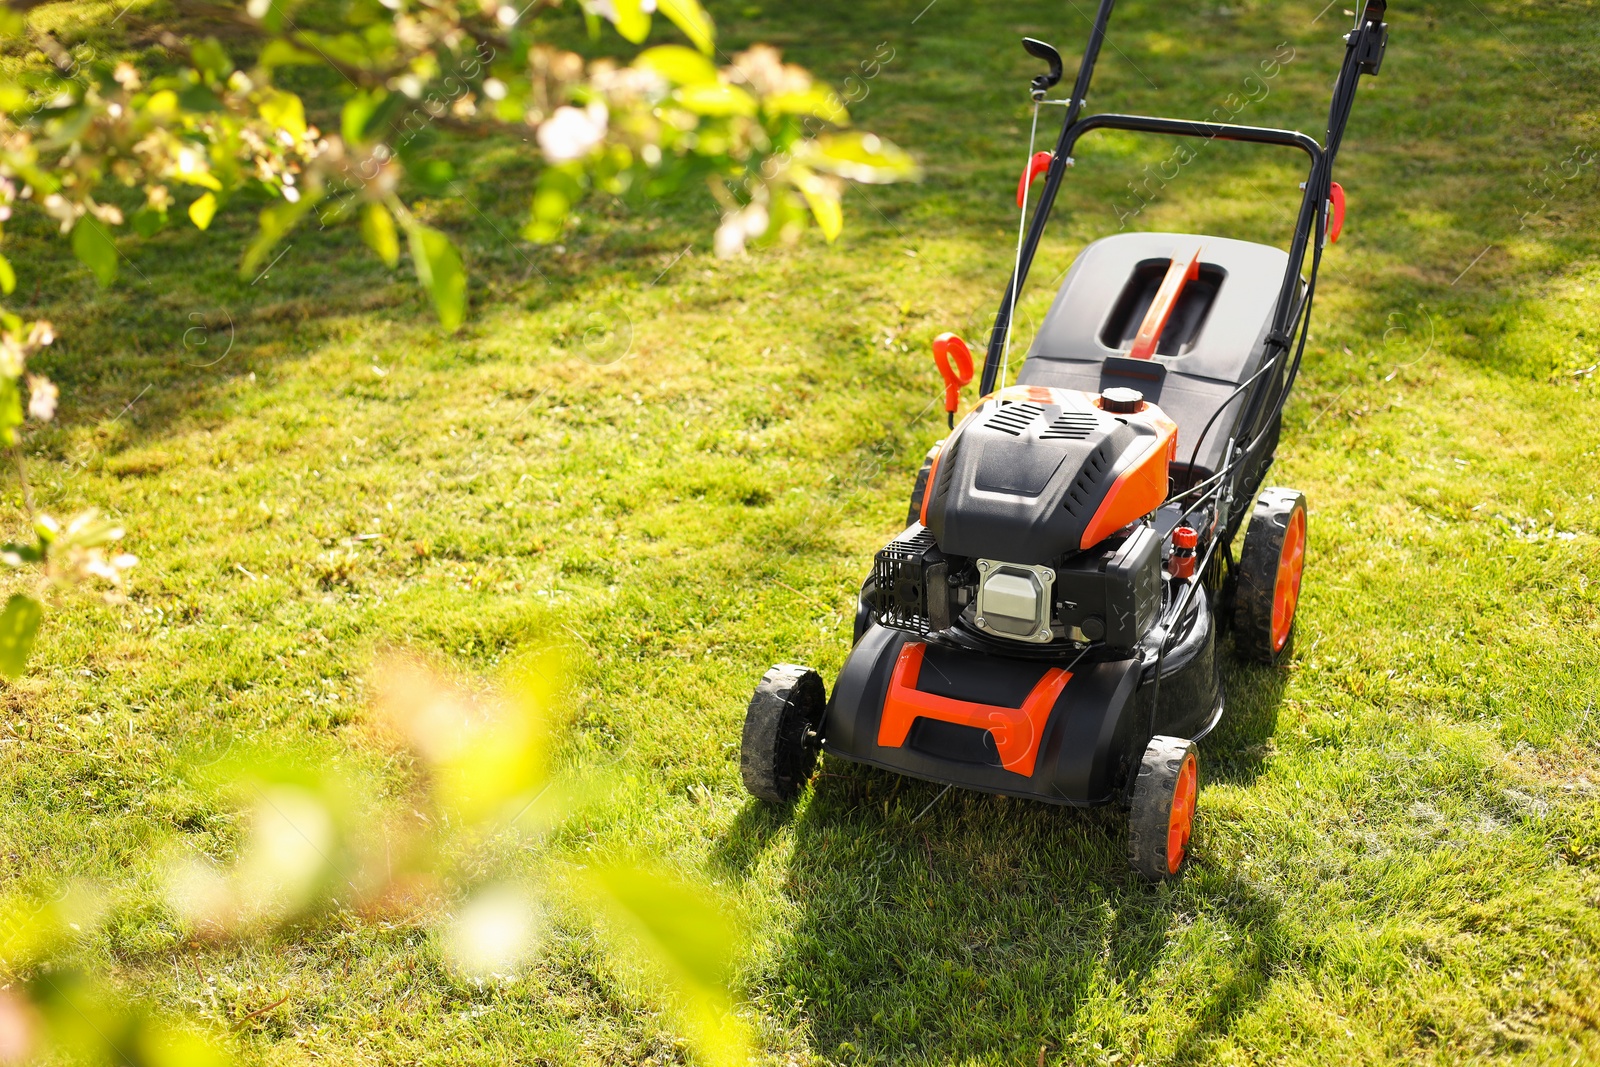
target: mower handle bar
1194 128
1364 52
1217 131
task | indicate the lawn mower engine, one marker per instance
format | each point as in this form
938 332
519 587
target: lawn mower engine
1009 637
1030 529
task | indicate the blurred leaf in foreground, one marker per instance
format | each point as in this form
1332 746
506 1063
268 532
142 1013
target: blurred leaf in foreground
682 934
487 755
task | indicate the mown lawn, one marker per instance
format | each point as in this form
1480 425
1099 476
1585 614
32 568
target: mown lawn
678 468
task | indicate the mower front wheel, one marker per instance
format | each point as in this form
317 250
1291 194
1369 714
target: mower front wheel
778 751
1270 568
1164 799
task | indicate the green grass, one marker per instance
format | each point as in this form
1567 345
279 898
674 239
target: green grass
1396 857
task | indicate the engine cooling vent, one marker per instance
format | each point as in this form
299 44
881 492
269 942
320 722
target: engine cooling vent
947 469
1071 426
1014 418
901 575
1080 500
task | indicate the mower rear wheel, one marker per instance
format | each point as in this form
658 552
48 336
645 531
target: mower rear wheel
1162 815
779 749
1270 569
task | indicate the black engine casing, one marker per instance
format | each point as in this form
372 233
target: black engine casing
1022 480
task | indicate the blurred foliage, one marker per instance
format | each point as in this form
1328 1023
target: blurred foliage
203 131
316 840
189 129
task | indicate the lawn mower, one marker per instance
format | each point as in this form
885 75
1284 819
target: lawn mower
1046 625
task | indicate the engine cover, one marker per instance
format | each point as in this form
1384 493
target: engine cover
1034 474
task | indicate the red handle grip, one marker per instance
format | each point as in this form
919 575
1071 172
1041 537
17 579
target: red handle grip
954 360
1036 166
1335 216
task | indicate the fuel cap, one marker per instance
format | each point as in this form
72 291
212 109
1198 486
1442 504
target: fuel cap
1122 401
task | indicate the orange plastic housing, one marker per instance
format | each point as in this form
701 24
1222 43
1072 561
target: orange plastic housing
1016 731
1142 487
1138 491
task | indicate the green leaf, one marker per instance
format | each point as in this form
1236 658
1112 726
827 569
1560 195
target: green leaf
19 625
92 244
161 1044
361 114
200 98
211 59
860 157
377 229
559 188
677 64
816 101
13 97
281 53
716 101
432 175
147 221
787 217
8 277
203 210
163 104
284 111
10 410
276 221
686 936
822 197
692 19
631 19
440 271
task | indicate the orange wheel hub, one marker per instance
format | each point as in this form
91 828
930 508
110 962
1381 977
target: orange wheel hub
1180 824
1286 592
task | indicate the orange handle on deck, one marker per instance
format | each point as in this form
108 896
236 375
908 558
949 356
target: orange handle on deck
954 360
1336 212
1180 273
1036 166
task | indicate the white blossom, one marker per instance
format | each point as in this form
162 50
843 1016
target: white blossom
572 133
608 11
42 396
729 241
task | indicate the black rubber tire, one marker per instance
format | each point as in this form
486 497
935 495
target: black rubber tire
778 751
1256 587
919 488
1150 815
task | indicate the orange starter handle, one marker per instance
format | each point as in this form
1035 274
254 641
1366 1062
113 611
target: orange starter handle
948 347
1180 273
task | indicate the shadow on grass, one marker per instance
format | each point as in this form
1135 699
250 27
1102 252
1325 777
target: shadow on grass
1236 751
943 927
752 830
